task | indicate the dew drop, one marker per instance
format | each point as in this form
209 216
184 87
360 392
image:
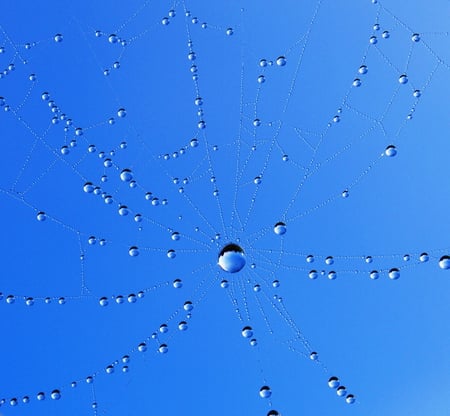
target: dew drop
415 37
280 228
403 79
126 175
121 113
281 61
41 216
231 258
374 275
265 392
350 399
385 34
55 395
424 257
171 254
314 356
341 391
229 31
390 151
394 273
444 262
133 251
333 382
247 332
58 38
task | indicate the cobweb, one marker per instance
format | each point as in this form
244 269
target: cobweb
141 138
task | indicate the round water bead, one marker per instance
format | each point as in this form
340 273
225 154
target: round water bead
132 298
103 301
280 228
229 31
121 113
403 79
142 347
341 391
356 82
417 93
126 175
177 283
123 210
374 275
40 396
313 274
390 151
329 260
424 257
183 326
41 216
314 356
188 306
345 193
333 382
112 38
13 402
406 257
363 69
261 79
55 395
444 262
385 34
224 284
133 251
373 40
265 392
163 349
281 61
231 258
332 275
394 273
350 399
310 258
171 254
247 332
273 413
415 37
58 38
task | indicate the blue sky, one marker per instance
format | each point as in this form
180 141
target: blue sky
304 145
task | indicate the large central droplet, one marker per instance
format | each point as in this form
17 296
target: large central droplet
231 258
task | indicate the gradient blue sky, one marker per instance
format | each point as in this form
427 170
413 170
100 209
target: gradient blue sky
387 340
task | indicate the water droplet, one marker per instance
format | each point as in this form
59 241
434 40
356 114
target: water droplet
229 31
201 124
363 69
58 38
276 283
121 113
256 122
132 298
265 392
329 260
103 301
112 38
142 347
423 258
183 326
29 301
171 254
231 258
163 349
177 283
41 216
261 79
345 193
374 275
332 275
273 413
310 258
417 93
376 26
390 151
385 34
356 82
350 399
341 391
313 274
373 40
165 21
224 284
188 306
444 262
394 274
13 402
10 299
40 396
281 61
406 257
314 356
403 79
133 251
333 382
280 228
247 332
123 210
415 37
55 395
25 399
163 328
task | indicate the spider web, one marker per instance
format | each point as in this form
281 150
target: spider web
140 139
